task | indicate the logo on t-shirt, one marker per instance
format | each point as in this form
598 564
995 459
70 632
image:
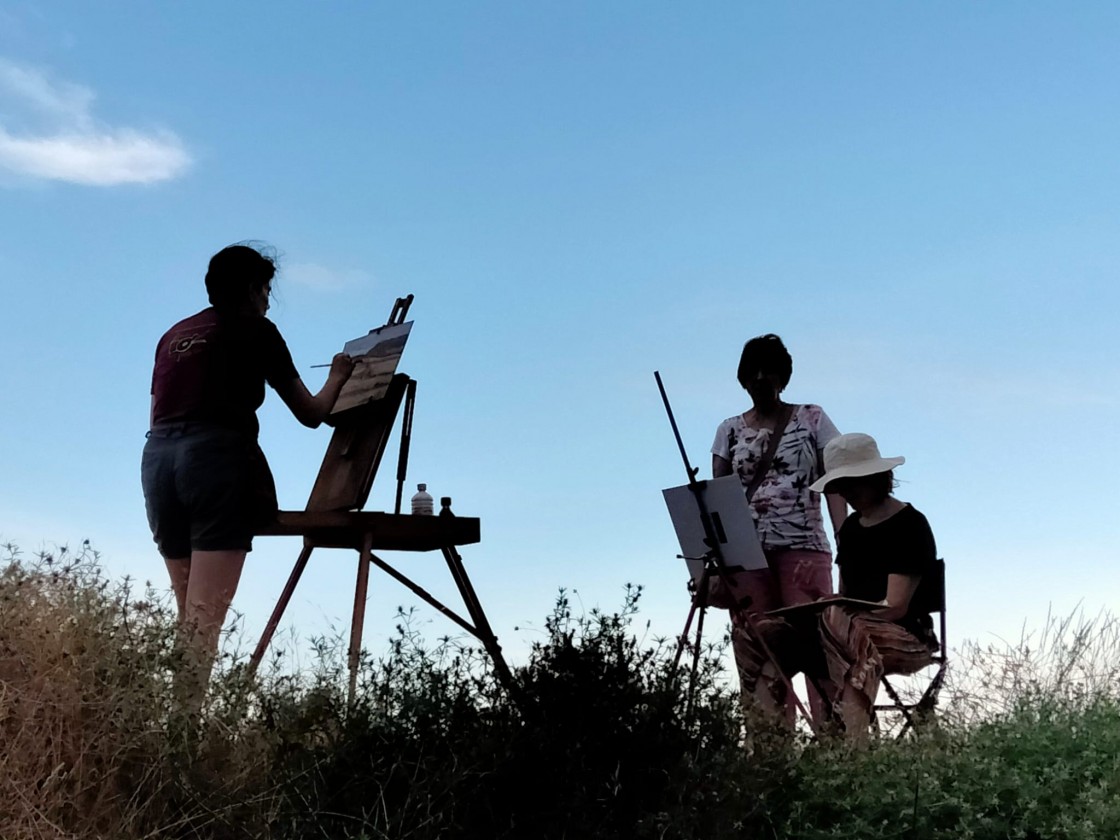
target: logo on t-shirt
185 344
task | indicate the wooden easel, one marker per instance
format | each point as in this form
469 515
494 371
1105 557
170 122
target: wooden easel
334 518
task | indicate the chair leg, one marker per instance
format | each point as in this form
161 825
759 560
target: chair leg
925 707
933 690
919 715
900 705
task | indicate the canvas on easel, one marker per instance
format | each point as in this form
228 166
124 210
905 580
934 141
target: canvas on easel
375 356
732 524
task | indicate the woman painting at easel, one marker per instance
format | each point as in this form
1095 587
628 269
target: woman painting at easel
776 449
206 482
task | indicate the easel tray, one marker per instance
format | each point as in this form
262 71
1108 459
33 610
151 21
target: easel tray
390 531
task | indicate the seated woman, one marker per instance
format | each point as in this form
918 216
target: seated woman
886 552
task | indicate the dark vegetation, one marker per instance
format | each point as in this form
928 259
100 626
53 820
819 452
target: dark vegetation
602 746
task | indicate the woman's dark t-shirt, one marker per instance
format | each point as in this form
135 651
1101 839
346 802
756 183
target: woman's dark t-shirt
900 545
212 367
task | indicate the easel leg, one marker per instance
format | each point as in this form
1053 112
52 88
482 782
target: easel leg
695 660
697 603
358 622
278 610
482 625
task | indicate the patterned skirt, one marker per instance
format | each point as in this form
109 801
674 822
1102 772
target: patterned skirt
839 647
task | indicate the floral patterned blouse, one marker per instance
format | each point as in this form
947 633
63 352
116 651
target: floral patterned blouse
786 513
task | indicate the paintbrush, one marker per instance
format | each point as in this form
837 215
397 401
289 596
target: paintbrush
356 360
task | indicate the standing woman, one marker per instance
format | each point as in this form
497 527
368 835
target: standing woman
787 513
206 483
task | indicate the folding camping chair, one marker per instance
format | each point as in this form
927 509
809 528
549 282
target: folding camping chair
915 713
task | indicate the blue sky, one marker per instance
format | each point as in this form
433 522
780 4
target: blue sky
920 198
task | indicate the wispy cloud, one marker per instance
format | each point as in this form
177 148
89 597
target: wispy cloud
48 130
315 276
859 367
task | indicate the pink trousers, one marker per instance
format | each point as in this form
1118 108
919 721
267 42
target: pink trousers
795 576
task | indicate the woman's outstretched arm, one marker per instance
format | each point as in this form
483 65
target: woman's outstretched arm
311 410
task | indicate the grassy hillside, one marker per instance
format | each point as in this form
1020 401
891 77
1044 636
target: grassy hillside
601 745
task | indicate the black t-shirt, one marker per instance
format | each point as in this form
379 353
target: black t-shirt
900 545
212 367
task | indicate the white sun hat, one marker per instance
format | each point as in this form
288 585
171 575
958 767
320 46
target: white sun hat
851 456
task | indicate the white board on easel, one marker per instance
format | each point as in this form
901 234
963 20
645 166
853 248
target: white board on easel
732 522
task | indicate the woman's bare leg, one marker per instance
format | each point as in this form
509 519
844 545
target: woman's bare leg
213 580
180 570
214 576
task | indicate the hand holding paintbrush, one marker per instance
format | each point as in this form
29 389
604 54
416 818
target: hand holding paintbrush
351 358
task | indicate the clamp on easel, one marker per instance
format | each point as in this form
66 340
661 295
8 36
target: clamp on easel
400 311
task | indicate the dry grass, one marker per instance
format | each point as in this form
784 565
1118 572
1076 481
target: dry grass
91 746
1069 660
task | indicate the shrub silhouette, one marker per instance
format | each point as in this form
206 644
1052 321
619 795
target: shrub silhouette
596 744
599 741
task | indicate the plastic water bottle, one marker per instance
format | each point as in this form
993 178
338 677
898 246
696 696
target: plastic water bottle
445 506
422 504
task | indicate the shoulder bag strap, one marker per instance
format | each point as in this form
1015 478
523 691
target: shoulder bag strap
771 450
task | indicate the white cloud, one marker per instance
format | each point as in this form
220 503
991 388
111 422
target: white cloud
315 276
47 130
126 157
64 101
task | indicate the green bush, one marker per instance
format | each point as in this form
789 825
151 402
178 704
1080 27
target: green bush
596 743
1028 746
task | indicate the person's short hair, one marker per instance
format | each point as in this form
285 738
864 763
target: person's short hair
765 354
236 271
882 484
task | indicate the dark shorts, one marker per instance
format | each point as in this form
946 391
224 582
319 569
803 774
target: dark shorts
205 488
